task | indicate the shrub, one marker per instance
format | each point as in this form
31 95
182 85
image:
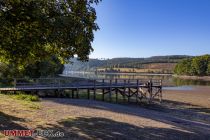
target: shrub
27 97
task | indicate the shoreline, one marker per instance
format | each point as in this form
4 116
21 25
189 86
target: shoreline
118 73
185 77
135 73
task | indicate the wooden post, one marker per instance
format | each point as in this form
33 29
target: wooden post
103 91
129 91
72 93
124 90
150 90
137 90
94 92
77 93
110 91
116 91
88 91
160 96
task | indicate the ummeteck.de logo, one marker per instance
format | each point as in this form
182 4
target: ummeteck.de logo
32 133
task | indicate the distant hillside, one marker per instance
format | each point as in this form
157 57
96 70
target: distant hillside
159 63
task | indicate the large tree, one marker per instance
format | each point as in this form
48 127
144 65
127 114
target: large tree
33 30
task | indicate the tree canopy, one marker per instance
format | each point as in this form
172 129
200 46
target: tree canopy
198 66
33 30
46 68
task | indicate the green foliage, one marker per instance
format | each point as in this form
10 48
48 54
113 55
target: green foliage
26 97
208 70
49 67
198 66
184 67
33 30
45 68
6 74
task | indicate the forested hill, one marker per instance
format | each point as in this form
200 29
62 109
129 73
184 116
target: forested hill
138 63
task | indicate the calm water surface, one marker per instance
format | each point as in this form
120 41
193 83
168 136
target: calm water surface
169 82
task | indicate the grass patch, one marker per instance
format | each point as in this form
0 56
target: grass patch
1 136
22 101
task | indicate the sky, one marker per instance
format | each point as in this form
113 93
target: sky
144 28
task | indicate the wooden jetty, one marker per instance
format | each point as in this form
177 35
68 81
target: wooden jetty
128 88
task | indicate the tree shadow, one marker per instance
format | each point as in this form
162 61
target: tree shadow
7 122
86 128
184 109
167 106
155 112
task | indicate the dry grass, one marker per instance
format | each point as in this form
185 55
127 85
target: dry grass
148 68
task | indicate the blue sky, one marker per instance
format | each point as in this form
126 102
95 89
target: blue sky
143 28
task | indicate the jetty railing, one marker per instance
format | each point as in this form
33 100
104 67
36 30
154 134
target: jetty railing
139 89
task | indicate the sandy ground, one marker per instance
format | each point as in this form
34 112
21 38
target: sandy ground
200 95
182 115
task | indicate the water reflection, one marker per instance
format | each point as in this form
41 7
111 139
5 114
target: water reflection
179 88
181 82
168 80
91 75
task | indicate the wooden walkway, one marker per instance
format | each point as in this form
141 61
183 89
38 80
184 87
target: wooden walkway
129 89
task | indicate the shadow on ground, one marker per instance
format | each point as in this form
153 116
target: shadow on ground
180 109
198 129
106 129
8 122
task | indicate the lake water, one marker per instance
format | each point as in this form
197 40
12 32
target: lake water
169 82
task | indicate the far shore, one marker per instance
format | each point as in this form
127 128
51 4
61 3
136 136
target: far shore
120 73
134 73
204 78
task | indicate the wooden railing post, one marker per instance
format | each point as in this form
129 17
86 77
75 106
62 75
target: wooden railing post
137 90
150 91
116 91
94 92
72 93
77 93
88 90
124 90
160 96
110 91
129 90
103 91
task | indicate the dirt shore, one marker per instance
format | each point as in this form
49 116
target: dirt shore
198 96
